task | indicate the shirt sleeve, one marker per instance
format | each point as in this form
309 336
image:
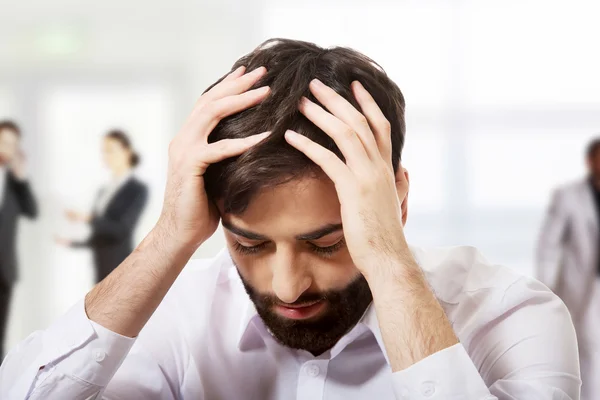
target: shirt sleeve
74 358
447 374
27 201
527 349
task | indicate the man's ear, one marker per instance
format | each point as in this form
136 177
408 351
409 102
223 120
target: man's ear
402 188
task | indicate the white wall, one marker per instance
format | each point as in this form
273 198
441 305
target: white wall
501 98
70 71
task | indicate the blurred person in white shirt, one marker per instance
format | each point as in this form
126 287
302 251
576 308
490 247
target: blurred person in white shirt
317 295
16 200
117 209
568 262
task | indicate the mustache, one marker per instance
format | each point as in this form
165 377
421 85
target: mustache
269 300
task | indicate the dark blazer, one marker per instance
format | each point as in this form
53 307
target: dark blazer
18 200
111 240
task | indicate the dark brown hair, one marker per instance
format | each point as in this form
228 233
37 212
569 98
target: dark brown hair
10 125
122 138
291 65
592 148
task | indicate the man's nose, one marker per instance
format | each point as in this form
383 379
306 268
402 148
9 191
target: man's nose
290 279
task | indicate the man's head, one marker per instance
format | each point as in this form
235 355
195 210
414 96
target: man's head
280 212
593 158
10 135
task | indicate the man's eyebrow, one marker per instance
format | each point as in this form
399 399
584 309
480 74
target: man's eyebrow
319 233
242 232
314 235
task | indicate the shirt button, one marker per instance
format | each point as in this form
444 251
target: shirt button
313 370
405 395
428 389
99 355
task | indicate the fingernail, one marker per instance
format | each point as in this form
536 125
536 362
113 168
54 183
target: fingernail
259 71
317 83
259 136
263 90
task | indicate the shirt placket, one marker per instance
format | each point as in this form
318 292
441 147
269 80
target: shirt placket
311 382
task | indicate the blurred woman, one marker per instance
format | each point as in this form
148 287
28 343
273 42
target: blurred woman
117 208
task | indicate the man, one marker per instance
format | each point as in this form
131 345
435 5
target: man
568 262
317 294
16 199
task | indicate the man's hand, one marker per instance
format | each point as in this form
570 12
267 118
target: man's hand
76 216
370 195
62 241
124 301
18 166
188 215
373 207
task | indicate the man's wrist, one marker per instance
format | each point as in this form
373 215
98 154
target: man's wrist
165 243
140 282
400 268
409 314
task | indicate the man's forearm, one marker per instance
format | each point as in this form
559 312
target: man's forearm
125 300
413 324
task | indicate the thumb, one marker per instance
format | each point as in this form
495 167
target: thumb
402 186
402 182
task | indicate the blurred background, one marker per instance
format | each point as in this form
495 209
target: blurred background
502 97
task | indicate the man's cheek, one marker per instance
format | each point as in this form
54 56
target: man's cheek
255 273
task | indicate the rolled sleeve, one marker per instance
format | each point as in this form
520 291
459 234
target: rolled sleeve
74 349
448 374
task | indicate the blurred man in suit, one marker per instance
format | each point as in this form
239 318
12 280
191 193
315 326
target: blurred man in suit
16 199
568 262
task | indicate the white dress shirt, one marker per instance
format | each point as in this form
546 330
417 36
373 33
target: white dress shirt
108 192
3 180
206 341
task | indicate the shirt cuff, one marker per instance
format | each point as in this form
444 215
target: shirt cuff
447 374
86 350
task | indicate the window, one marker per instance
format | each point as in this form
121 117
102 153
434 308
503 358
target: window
498 112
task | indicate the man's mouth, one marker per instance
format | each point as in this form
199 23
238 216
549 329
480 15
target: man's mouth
302 311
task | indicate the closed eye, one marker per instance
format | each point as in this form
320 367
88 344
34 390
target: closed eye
325 251
328 250
248 249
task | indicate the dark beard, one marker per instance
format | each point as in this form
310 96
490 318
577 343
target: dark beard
344 308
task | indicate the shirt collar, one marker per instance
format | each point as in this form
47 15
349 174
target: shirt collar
592 185
122 179
3 176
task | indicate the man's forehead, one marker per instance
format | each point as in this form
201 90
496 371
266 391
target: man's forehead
282 232
8 135
306 199
290 210
297 191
